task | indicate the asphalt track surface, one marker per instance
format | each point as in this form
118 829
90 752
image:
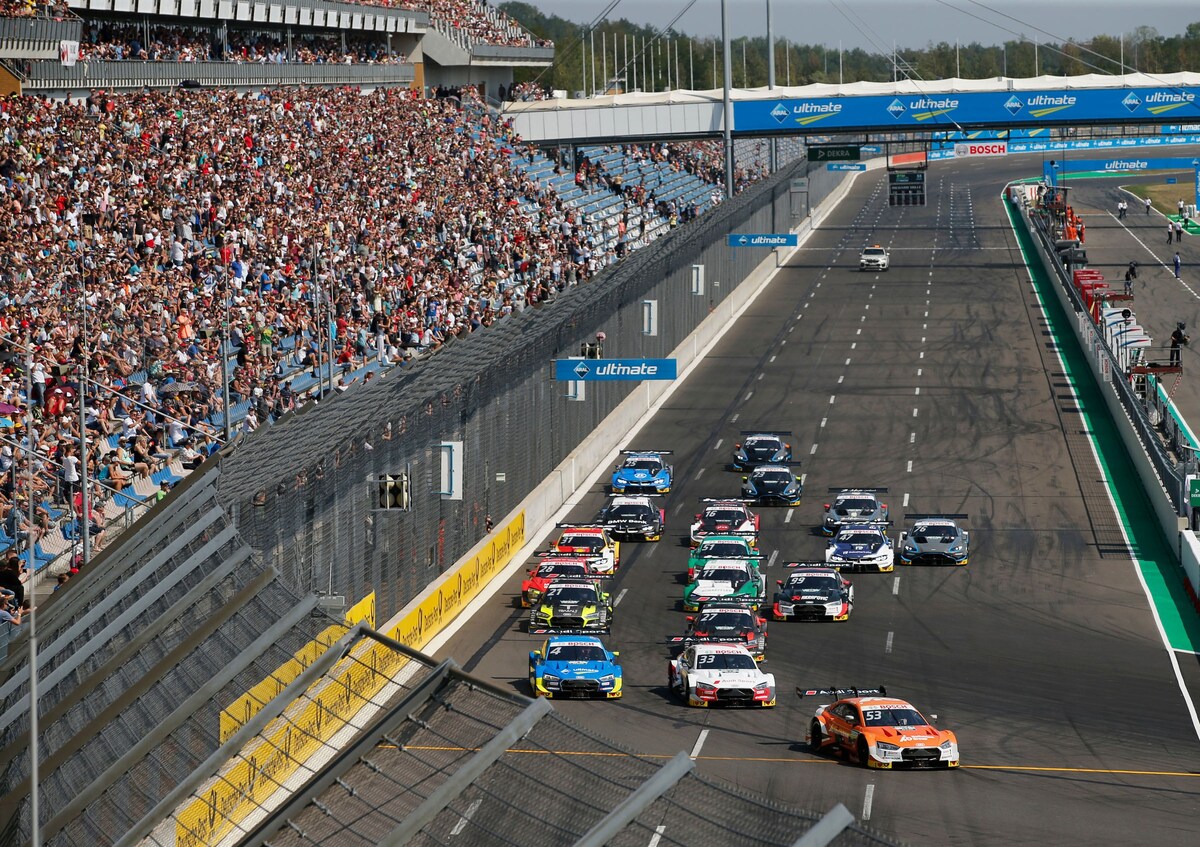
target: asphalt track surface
939 380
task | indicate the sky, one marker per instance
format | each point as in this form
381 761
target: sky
911 23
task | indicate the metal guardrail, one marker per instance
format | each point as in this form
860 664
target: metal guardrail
1169 471
43 30
46 75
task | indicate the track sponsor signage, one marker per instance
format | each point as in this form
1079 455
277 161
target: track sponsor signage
763 239
978 109
969 149
846 166
275 754
609 370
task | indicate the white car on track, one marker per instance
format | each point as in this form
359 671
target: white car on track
720 675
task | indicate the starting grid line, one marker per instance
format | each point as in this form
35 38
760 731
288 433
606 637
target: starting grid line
615 754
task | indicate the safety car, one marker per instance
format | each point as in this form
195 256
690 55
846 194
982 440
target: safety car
720 675
812 591
571 603
642 471
731 580
722 547
574 666
879 731
772 485
726 623
724 517
935 538
761 447
853 505
590 540
861 547
634 517
552 566
874 258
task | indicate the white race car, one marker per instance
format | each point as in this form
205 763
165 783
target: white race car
720 675
861 547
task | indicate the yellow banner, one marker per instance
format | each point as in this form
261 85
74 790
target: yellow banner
271 759
235 715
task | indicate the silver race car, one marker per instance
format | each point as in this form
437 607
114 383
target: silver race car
935 538
854 506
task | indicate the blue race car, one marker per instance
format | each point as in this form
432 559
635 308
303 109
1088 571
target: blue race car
643 472
761 447
574 666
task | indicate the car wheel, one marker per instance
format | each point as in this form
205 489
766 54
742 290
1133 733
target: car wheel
864 753
815 739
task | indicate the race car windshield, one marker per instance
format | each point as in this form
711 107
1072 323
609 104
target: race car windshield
732 619
576 653
936 530
773 476
582 542
724 575
859 537
631 510
762 444
725 662
861 504
725 516
651 465
561 569
571 594
722 550
893 717
806 584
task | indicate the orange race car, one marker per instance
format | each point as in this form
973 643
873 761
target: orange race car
880 731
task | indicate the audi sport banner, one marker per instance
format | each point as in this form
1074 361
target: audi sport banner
964 149
68 53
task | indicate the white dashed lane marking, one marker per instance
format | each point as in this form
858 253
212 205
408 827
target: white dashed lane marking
887 648
868 799
788 517
910 466
813 450
906 499
720 441
466 817
658 833
620 597
699 743
896 586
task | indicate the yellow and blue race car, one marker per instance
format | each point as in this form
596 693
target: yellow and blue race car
574 666
571 603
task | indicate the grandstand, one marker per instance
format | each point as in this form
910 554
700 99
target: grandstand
223 251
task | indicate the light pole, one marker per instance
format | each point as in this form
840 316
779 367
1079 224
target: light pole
84 524
35 834
726 51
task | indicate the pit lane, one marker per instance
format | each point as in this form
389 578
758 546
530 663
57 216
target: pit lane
937 379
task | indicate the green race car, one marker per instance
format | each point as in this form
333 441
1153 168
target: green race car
722 547
572 604
728 580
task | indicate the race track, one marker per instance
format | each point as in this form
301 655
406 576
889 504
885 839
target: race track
939 380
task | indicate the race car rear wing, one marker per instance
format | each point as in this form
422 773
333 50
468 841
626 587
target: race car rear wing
813 564
567 554
579 526
839 693
733 601
751 533
922 516
563 630
728 500
855 523
833 490
647 452
766 432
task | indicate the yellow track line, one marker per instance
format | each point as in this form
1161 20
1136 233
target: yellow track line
781 761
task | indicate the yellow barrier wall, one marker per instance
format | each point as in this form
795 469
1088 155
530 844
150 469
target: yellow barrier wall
273 757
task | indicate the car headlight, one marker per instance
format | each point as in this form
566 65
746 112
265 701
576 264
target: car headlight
647 527
549 680
946 745
762 686
910 548
883 746
608 680
957 548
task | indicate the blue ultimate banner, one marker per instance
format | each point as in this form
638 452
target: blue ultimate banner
600 370
960 109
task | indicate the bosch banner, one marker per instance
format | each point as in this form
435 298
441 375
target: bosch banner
965 149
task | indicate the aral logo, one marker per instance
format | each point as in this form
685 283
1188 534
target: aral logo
896 109
1131 102
1013 105
780 112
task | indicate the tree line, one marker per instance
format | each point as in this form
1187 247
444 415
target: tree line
648 60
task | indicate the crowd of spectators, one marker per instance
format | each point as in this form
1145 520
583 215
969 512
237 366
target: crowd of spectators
172 213
132 42
30 9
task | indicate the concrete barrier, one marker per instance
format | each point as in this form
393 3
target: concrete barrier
1164 509
1189 557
